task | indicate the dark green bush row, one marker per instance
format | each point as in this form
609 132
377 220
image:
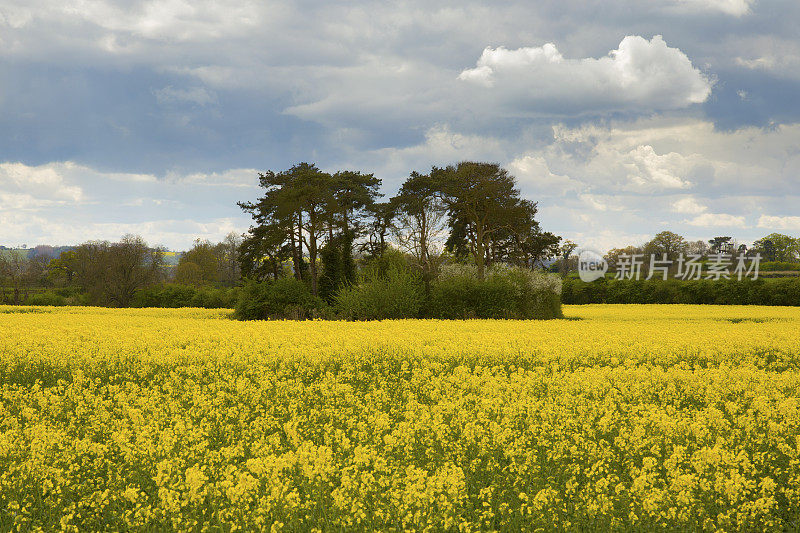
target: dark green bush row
174 295
56 297
778 266
777 291
504 293
400 293
283 298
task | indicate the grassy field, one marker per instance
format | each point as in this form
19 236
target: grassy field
635 418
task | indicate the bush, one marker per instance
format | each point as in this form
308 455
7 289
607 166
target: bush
775 291
46 298
398 294
778 266
505 292
176 295
282 298
380 265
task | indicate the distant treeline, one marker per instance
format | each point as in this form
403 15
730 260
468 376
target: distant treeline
458 241
777 291
115 273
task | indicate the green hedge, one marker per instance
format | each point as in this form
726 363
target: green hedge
175 295
46 298
56 297
778 266
503 293
399 293
282 298
776 291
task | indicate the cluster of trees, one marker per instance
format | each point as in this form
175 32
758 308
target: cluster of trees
113 273
208 264
781 291
773 247
110 273
471 211
778 247
19 273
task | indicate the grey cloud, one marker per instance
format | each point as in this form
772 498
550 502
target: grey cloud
179 93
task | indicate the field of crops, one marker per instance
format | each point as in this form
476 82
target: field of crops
617 418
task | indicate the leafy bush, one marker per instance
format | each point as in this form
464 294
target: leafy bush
778 266
398 294
176 295
505 292
392 259
776 291
46 298
282 298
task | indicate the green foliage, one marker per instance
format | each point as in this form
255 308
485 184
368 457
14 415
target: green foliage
177 295
505 292
778 247
398 294
392 258
199 266
779 266
780 291
338 266
47 298
112 273
281 298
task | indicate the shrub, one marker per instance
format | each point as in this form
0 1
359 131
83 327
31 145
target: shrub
774 291
176 295
505 292
397 294
282 298
46 298
778 266
380 265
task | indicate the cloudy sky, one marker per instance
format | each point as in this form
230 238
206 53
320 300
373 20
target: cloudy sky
620 117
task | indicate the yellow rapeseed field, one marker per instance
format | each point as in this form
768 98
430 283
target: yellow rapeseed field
634 418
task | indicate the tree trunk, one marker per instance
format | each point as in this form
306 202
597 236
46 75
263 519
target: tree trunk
480 251
312 255
297 251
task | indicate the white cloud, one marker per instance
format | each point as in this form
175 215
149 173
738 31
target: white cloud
601 203
648 170
17 228
17 201
173 20
765 63
689 206
687 153
787 223
604 239
782 61
717 220
441 146
239 177
736 8
45 182
536 177
67 203
639 75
